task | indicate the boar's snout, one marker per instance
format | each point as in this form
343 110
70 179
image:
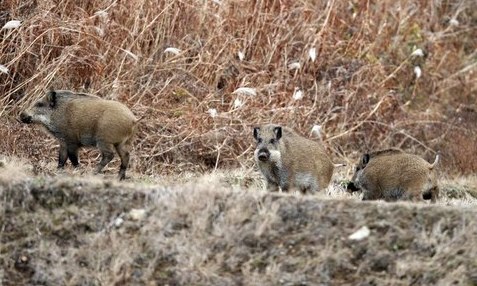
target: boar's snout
351 187
263 155
25 118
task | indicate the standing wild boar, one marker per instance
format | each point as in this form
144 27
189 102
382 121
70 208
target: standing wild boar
290 161
392 174
78 120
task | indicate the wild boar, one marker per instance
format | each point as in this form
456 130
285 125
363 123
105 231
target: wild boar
81 120
393 174
290 161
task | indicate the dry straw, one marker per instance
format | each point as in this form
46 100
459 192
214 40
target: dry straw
351 61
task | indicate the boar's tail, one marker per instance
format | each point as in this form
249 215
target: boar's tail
139 119
436 161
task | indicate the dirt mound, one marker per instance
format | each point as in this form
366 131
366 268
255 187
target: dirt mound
94 232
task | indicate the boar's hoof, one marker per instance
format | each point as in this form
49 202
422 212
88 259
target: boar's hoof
25 118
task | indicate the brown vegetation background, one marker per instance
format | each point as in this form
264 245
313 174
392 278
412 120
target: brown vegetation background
361 88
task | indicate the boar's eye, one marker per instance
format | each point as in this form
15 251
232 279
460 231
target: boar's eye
39 104
272 141
259 140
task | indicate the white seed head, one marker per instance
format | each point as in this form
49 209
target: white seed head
453 22
417 71
172 50
312 54
129 53
118 222
212 112
238 103
4 69
99 31
102 14
417 53
294 66
316 130
116 84
297 94
241 55
360 234
13 24
245 91
137 214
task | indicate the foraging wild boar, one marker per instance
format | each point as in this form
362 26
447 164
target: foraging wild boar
392 174
80 120
290 161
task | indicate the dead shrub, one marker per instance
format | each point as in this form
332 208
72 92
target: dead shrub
353 62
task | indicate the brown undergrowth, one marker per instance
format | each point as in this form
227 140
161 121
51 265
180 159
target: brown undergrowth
361 88
373 74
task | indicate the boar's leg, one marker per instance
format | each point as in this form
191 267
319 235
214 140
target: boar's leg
370 195
67 151
107 154
123 152
435 194
272 187
415 193
413 197
73 155
310 189
62 155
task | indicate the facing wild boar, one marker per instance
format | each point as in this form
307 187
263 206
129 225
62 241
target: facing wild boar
392 174
290 161
81 120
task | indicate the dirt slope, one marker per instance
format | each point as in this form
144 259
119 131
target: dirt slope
71 231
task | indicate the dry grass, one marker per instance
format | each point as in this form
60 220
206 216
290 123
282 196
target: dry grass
13 170
220 230
209 231
361 88
224 229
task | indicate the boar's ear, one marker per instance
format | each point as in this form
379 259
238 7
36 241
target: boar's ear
255 132
365 159
51 97
278 132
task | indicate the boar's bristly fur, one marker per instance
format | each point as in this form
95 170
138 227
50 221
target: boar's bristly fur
288 160
81 120
392 175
